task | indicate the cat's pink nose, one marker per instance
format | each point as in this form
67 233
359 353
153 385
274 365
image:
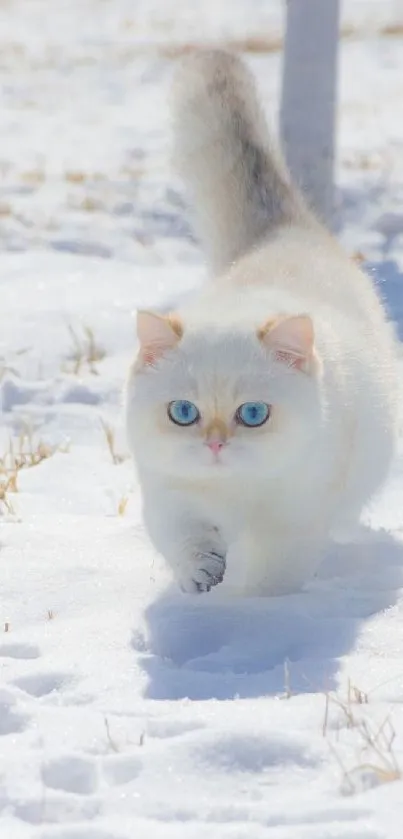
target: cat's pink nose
215 445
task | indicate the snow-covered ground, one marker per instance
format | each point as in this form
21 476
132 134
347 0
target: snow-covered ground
126 709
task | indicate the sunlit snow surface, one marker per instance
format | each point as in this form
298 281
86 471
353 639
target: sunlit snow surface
127 710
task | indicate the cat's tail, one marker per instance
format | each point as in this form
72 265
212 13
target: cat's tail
237 182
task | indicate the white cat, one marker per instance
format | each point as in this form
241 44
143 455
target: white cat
263 414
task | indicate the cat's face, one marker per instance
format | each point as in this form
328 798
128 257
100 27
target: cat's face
214 404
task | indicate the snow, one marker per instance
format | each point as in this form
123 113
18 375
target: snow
127 709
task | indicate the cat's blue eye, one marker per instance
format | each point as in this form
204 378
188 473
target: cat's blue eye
183 412
252 414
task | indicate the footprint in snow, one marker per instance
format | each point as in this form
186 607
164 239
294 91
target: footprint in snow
57 809
21 651
121 769
80 775
71 774
11 721
40 685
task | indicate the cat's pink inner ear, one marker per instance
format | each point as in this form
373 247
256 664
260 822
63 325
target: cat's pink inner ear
291 339
157 334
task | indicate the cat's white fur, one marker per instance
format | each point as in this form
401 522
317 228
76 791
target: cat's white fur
268 502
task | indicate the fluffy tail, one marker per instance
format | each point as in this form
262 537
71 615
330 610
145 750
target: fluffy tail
238 184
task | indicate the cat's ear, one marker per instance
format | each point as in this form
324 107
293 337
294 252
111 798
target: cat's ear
291 339
157 334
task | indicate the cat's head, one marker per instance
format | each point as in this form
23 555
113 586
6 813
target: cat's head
205 402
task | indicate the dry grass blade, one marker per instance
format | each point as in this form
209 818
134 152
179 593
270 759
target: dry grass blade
122 505
5 503
377 762
75 177
24 453
110 440
94 351
77 356
355 696
392 30
86 352
287 681
111 741
6 367
381 765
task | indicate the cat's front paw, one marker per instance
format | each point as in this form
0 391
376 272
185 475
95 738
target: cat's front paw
205 571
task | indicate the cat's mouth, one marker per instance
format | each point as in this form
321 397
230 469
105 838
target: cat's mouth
217 448
217 460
